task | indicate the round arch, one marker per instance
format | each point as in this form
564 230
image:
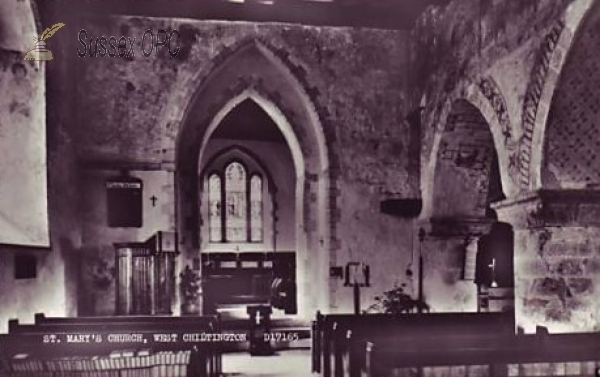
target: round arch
253 72
574 18
468 169
467 165
471 94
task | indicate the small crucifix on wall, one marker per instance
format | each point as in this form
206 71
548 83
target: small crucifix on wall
153 199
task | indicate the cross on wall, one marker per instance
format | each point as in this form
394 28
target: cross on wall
153 199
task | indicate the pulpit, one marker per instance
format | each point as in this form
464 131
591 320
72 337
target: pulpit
146 275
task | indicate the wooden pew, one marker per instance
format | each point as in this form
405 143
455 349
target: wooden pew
316 341
409 328
355 359
210 324
332 331
323 330
36 340
29 339
496 352
41 318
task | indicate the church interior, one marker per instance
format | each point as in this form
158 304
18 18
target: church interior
349 185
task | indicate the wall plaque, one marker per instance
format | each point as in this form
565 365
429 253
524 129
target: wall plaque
124 202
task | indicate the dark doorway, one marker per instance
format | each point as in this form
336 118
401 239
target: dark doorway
494 274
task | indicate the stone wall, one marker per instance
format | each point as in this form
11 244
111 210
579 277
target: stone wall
97 254
356 76
127 112
556 259
490 53
505 58
28 126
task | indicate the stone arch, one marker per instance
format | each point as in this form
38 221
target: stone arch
544 82
468 171
466 155
254 72
473 94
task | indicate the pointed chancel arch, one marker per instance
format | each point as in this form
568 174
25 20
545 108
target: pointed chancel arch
254 72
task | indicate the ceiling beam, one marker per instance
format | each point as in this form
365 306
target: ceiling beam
383 14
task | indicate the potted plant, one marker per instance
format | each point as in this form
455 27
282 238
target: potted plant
190 291
396 301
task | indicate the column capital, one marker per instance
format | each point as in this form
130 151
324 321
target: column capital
451 227
549 208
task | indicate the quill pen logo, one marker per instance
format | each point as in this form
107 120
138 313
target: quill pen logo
40 52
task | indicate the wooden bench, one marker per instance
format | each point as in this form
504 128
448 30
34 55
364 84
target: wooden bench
107 343
210 324
322 336
500 354
332 332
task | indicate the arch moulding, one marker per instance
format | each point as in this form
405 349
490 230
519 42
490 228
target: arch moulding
556 48
473 94
255 72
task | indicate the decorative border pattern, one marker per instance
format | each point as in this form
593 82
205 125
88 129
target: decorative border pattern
532 100
490 90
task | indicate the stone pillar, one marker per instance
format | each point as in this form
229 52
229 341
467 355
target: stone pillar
444 251
557 254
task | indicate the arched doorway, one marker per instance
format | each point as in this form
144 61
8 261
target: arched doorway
467 261
254 78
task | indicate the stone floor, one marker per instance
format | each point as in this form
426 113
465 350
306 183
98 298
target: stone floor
288 363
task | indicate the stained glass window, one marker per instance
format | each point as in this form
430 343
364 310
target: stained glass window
238 196
214 205
256 220
236 220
